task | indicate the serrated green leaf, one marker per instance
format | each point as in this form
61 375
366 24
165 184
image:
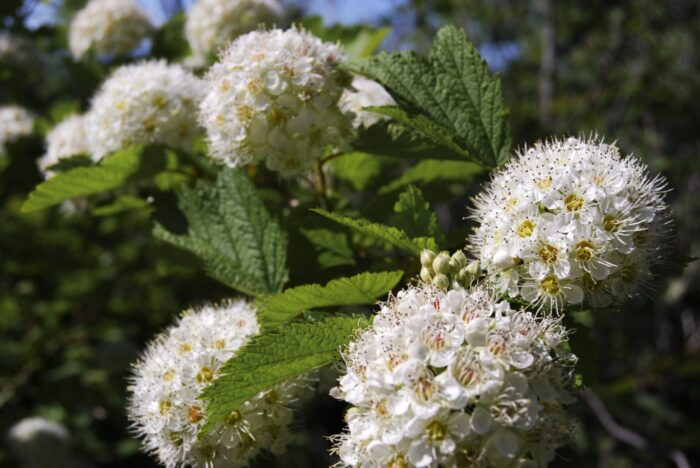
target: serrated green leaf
358 41
332 248
433 170
232 232
121 168
414 216
360 289
389 138
275 357
388 234
449 98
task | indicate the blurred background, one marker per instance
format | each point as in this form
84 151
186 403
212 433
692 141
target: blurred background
80 295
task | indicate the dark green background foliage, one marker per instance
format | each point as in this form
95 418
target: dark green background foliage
82 289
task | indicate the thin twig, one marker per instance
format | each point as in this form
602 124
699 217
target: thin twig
626 435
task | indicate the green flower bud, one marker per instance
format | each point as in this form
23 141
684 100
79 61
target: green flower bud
427 257
426 275
474 268
460 259
441 264
441 281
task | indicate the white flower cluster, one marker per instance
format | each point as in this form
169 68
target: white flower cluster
109 27
174 370
365 93
211 24
455 379
40 443
149 102
570 220
15 122
67 139
273 96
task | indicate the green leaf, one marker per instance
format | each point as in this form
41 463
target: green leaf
275 357
121 168
414 215
364 288
232 232
360 169
122 204
331 247
433 170
450 98
358 41
66 164
390 138
388 234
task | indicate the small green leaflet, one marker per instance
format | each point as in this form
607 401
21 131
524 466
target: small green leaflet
388 234
331 247
450 98
414 216
360 289
232 232
433 170
275 357
121 168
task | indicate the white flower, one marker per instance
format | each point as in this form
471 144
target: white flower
109 27
558 224
211 24
365 93
67 139
452 378
164 406
149 102
273 97
15 122
40 443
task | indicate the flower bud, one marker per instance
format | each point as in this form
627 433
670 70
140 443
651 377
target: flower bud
426 275
441 281
460 259
427 257
441 264
474 268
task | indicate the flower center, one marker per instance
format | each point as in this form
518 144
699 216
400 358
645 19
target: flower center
169 374
544 183
164 406
550 285
398 462
436 431
611 223
205 374
526 228
584 250
233 418
573 202
548 253
194 414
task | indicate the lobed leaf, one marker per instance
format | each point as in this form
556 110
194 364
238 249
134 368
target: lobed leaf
449 98
232 232
414 216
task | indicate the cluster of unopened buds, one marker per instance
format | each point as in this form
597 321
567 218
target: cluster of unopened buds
444 270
